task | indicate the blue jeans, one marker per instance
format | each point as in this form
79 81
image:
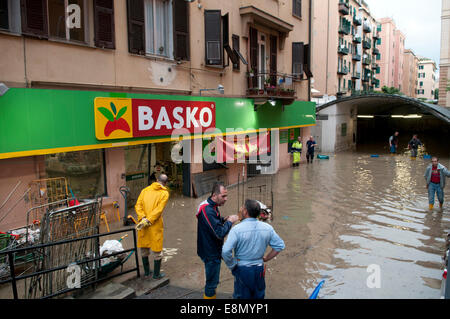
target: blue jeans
435 188
212 274
393 149
249 282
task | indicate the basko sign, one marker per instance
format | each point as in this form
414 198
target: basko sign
127 118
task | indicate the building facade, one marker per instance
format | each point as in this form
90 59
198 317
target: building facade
95 99
444 64
426 77
389 49
344 48
410 71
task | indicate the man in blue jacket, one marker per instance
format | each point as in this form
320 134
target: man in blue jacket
211 231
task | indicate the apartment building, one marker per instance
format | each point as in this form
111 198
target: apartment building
389 50
410 73
444 64
344 47
426 77
96 88
399 59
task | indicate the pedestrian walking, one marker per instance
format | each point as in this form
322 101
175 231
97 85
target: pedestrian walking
149 209
249 240
435 175
296 150
393 143
211 231
310 152
413 145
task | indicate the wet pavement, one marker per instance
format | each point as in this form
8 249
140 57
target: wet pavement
339 218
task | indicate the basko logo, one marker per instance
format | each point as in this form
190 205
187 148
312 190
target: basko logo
126 118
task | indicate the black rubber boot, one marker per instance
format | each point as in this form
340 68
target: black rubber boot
147 270
157 274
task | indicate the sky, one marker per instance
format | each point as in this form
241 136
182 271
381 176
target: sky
419 20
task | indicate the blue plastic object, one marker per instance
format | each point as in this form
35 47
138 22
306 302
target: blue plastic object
427 156
323 156
316 291
374 155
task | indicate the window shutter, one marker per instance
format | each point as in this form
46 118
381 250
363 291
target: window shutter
236 48
297 59
307 61
213 38
104 24
4 20
297 8
253 33
34 17
273 60
181 29
136 26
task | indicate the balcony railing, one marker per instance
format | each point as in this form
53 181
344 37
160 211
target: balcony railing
356 57
357 20
375 50
366 75
366 60
342 49
267 85
367 28
375 66
343 7
356 75
342 70
376 35
345 27
357 38
366 43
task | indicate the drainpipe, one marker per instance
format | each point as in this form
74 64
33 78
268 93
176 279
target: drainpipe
310 49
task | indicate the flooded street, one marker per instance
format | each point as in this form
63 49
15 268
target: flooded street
337 217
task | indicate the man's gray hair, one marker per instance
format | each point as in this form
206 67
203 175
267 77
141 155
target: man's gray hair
163 178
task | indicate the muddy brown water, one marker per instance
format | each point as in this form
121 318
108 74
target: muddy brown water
337 218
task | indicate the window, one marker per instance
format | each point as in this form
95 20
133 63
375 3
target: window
10 15
297 8
84 170
213 37
48 18
421 83
57 16
158 28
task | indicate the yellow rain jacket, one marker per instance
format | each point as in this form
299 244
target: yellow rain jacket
150 204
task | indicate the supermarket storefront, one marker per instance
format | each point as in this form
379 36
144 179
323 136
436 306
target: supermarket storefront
100 141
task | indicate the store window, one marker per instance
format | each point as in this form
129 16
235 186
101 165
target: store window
84 170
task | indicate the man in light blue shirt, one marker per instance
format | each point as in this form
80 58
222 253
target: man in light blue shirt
249 239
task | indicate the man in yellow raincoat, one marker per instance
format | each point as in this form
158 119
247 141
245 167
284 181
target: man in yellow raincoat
297 151
149 208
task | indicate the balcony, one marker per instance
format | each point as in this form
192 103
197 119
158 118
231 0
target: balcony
357 20
376 82
344 27
265 86
366 27
366 60
342 49
356 75
366 76
375 66
356 57
357 38
375 50
344 7
366 43
342 70
376 35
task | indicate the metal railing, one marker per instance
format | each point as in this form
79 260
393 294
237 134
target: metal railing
13 278
271 84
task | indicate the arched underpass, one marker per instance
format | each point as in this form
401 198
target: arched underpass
365 123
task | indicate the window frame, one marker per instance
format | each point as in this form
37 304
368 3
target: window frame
169 33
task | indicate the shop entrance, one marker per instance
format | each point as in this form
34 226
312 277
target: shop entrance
144 163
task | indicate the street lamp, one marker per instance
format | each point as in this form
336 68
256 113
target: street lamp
219 88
